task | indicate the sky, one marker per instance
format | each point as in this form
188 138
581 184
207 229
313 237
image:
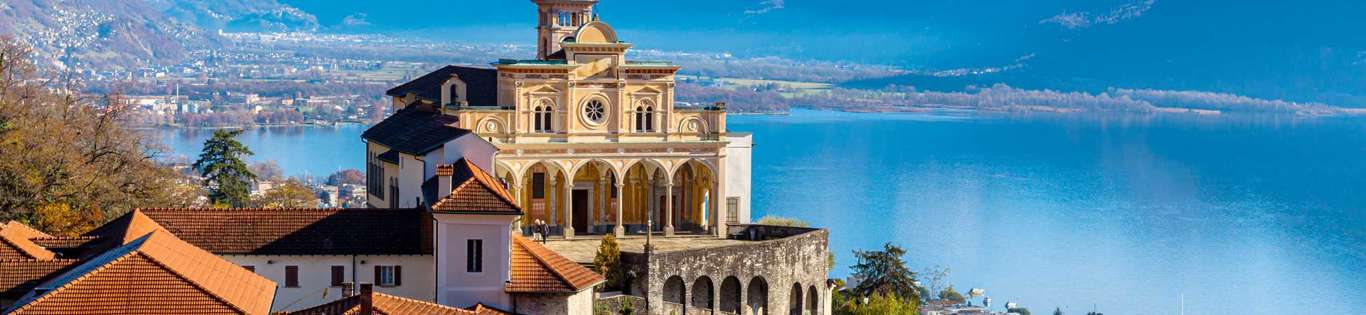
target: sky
1307 49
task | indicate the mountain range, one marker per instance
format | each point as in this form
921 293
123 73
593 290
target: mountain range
135 33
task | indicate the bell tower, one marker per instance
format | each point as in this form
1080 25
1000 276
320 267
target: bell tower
559 19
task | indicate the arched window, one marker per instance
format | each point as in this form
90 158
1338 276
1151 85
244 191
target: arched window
645 117
540 117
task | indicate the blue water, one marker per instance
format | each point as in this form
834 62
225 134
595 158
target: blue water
1240 215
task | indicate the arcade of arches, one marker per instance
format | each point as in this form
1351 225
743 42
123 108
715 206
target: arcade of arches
698 296
575 197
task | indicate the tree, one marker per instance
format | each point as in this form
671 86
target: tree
878 304
69 161
291 193
884 272
608 262
347 176
225 175
1018 310
268 170
1058 311
952 295
937 279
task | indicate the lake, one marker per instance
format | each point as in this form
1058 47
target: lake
1235 215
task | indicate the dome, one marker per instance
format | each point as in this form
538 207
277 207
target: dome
596 32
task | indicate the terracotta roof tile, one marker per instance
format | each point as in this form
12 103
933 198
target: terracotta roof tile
25 230
155 273
19 276
394 305
14 244
300 231
473 191
536 269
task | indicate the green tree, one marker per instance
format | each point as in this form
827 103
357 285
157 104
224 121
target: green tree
69 161
1018 310
226 176
950 294
884 272
1058 311
291 193
878 304
608 262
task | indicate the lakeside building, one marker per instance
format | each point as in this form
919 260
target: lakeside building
580 139
587 141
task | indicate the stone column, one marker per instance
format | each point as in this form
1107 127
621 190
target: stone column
517 199
552 194
604 198
620 230
668 208
568 209
718 197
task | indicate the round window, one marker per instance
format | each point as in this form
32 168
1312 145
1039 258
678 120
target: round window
595 111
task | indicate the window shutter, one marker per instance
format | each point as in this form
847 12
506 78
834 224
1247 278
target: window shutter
398 275
377 276
338 275
291 276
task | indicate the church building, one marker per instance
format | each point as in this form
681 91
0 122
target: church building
587 141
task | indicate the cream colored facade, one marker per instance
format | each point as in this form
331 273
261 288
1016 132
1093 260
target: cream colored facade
594 143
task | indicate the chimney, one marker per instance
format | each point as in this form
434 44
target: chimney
443 181
367 301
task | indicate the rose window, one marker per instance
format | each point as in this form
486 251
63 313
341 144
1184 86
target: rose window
595 111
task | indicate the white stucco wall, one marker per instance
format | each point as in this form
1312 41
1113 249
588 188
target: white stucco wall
738 161
315 277
410 180
554 304
471 147
459 288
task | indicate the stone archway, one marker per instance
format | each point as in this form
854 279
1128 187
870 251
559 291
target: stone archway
702 294
813 301
756 297
730 295
542 196
795 305
675 291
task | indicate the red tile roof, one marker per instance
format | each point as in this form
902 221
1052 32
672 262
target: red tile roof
473 191
300 231
154 273
536 269
24 230
19 276
392 305
15 244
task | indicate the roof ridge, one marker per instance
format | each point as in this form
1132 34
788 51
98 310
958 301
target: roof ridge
405 299
36 298
192 282
497 188
16 239
526 245
151 250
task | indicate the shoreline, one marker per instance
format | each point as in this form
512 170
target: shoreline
1022 109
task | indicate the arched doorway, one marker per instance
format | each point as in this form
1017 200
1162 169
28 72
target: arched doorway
542 193
813 299
756 298
593 194
702 294
730 295
794 304
694 197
